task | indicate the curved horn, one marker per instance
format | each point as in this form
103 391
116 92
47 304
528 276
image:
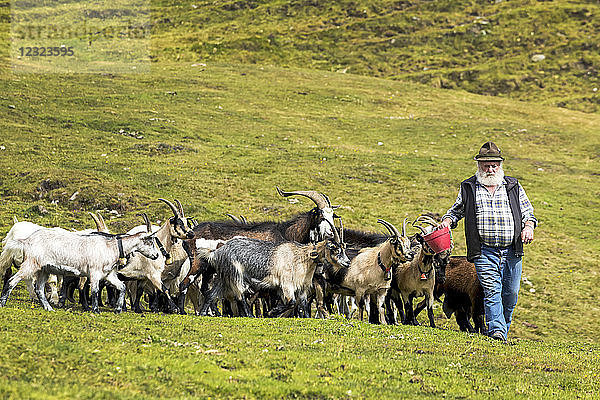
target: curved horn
326 198
147 222
318 198
423 230
427 220
390 227
180 208
104 227
235 219
404 227
96 221
175 212
336 236
341 231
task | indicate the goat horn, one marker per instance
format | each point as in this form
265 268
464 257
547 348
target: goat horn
423 230
327 199
404 227
336 236
390 227
175 212
104 227
341 231
96 221
146 221
244 220
427 219
180 208
235 219
318 198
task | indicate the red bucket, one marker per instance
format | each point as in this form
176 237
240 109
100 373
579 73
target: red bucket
439 240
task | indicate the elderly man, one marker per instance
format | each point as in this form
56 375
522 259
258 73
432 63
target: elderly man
498 220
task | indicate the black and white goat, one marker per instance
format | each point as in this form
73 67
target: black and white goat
307 227
247 264
95 256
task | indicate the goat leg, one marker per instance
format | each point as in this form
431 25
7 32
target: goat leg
181 301
462 319
480 325
113 280
431 316
243 308
139 292
389 311
40 285
84 298
5 279
420 306
62 296
408 310
95 289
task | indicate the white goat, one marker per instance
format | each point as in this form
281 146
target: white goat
12 251
172 258
95 256
370 271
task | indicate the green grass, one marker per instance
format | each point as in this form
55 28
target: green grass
220 131
485 47
232 133
171 356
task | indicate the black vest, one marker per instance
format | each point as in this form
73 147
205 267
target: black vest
467 188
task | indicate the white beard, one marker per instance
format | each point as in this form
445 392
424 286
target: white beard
493 179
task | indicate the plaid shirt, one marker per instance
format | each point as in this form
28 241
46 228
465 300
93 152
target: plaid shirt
494 217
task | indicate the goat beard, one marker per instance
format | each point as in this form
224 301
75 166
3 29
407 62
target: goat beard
490 179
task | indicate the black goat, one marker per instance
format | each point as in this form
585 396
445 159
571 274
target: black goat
307 227
244 264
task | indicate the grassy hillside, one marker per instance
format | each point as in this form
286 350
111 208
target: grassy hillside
180 357
219 129
221 137
484 47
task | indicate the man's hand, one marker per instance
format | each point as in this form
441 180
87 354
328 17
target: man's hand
527 234
446 222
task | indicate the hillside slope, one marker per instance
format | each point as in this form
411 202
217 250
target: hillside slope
221 137
484 47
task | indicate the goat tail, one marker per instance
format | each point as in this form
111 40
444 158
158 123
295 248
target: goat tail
203 253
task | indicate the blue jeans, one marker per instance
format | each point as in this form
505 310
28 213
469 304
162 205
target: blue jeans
499 272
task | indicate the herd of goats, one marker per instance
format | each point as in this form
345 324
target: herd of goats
240 268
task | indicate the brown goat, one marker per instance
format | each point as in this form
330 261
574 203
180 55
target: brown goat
463 295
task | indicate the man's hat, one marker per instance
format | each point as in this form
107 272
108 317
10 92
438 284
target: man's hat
489 152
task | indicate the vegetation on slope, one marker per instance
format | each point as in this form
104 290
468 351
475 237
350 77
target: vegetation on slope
69 354
218 128
484 47
220 138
